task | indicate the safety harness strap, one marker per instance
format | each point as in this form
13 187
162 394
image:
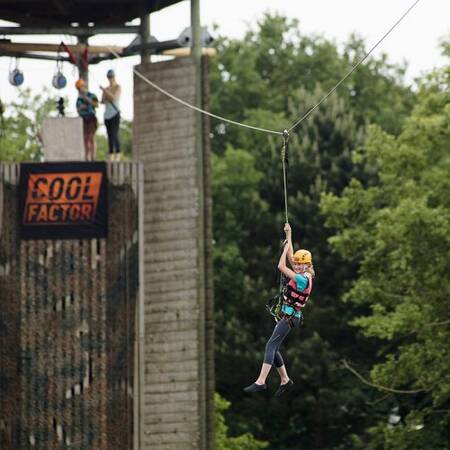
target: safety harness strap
294 298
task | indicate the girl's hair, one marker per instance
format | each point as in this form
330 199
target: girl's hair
310 269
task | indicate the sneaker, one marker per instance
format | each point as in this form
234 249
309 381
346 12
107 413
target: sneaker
284 388
255 388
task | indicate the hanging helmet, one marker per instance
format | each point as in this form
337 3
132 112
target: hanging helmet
59 81
16 77
302 257
80 83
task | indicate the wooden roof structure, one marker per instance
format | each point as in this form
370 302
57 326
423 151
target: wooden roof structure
66 12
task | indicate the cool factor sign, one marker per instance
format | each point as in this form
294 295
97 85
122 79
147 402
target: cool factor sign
63 200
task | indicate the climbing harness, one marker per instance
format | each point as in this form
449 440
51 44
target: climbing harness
279 309
289 314
290 301
274 304
274 307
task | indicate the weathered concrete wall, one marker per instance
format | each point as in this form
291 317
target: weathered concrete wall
176 408
62 139
68 352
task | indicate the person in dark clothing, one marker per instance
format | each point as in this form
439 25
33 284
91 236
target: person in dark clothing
111 98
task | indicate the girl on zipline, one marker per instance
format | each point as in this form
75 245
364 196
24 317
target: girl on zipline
294 298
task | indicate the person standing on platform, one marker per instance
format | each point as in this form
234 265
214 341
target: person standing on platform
86 104
111 98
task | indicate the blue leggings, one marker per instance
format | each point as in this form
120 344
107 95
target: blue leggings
272 355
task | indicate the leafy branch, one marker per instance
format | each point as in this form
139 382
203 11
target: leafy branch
379 386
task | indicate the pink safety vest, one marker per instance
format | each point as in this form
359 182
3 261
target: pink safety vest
293 297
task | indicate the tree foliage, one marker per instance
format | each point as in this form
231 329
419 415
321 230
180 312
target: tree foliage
368 195
270 78
399 233
225 442
20 124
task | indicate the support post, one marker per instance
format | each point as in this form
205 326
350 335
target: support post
139 437
83 72
197 56
196 30
145 34
177 222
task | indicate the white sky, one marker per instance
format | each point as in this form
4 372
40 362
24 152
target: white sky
416 40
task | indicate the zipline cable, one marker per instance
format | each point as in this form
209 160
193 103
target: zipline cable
285 162
304 117
195 108
296 124
284 152
285 133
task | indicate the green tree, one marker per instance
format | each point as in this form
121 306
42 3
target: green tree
222 440
263 71
20 123
399 234
270 78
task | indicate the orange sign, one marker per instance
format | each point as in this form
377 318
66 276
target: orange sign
62 198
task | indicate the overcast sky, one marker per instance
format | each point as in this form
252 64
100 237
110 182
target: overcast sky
416 40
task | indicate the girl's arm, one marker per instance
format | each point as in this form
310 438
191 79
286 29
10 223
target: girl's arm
290 253
282 267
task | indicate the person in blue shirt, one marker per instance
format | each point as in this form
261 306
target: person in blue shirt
295 296
86 104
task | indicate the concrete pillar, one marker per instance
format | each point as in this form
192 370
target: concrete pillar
196 56
179 361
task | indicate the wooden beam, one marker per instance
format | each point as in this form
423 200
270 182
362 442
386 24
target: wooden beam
11 31
186 51
34 56
54 48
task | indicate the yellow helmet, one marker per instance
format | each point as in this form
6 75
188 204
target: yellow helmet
302 257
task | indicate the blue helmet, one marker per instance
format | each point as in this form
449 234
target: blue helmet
110 73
